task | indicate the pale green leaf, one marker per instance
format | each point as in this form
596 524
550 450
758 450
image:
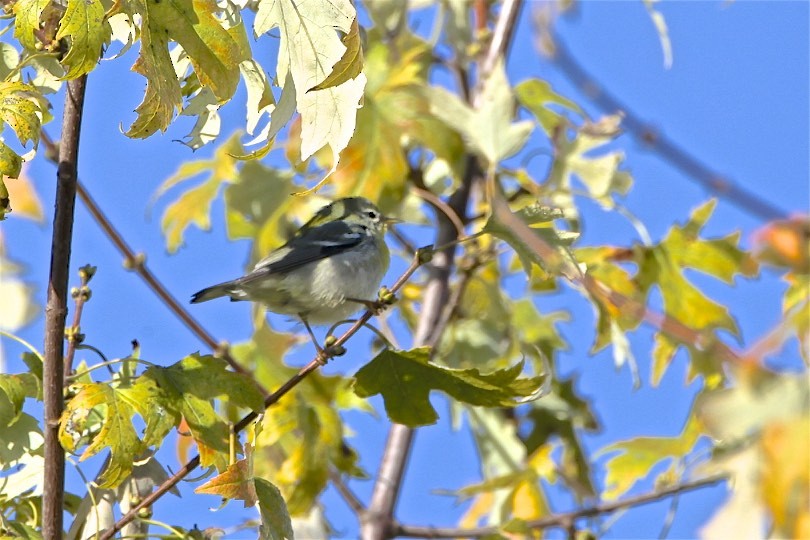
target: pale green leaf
536 95
636 457
575 158
489 127
540 219
276 523
260 99
27 22
116 407
406 378
350 64
85 25
309 49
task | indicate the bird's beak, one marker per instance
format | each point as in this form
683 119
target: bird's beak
388 220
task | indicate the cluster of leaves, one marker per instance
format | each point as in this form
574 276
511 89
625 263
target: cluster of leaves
408 136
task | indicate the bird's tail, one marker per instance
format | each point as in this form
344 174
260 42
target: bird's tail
209 293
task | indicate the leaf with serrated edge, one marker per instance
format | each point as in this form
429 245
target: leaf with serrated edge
187 388
535 95
350 64
88 30
117 405
405 379
308 50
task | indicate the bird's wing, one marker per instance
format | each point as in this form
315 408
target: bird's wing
313 245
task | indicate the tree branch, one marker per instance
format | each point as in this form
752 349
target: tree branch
271 399
376 522
56 309
559 521
657 141
137 263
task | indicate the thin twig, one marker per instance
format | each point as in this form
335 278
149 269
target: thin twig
137 263
658 142
271 399
56 309
73 336
564 520
376 522
348 495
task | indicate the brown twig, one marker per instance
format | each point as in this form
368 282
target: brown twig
271 399
560 521
657 141
663 322
355 504
377 521
137 263
73 335
56 309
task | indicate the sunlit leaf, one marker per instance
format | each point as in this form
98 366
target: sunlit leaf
194 206
213 51
85 25
187 389
350 64
406 378
575 158
116 407
308 50
540 218
536 95
27 21
490 126
636 457
21 108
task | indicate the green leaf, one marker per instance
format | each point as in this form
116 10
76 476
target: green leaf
664 266
574 158
405 379
395 113
276 523
87 29
535 95
21 108
350 64
12 397
116 407
636 457
214 52
27 22
489 127
308 51
542 217
187 389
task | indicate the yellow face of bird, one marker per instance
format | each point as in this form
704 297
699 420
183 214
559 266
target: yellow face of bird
351 210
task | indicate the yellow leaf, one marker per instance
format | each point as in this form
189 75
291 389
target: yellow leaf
85 25
350 64
25 201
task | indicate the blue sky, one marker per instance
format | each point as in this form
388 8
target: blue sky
736 97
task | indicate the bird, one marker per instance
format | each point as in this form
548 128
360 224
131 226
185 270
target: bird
330 268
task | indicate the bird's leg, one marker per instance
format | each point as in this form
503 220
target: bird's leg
324 354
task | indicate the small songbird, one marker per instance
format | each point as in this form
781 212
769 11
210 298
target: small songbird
328 270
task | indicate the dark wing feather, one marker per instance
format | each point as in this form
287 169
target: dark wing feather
315 244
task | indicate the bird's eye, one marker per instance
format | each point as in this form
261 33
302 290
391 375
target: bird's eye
372 214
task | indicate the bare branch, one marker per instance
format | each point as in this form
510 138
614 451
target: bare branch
560 521
378 519
56 308
658 142
273 398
